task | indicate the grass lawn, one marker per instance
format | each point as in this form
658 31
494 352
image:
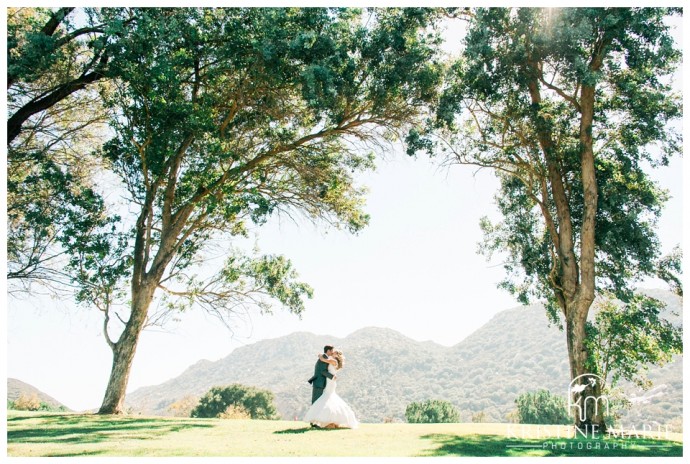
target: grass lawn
44 434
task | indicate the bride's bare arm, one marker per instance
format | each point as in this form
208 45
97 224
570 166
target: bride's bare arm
328 360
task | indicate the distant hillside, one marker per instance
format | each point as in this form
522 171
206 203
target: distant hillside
15 388
516 351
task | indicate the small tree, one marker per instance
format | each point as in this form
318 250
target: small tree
257 402
649 339
432 412
541 407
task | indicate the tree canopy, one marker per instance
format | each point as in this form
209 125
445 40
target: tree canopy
497 121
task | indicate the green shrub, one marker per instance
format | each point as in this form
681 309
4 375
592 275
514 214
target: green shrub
256 402
431 412
542 407
50 408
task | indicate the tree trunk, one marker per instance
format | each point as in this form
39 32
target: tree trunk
124 350
143 287
589 405
574 288
592 421
601 409
123 354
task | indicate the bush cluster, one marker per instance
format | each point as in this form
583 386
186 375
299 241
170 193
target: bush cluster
542 407
431 412
237 401
32 402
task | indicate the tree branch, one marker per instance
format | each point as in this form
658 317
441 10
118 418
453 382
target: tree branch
15 122
572 100
106 320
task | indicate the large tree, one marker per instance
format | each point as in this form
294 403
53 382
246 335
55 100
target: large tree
569 107
224 117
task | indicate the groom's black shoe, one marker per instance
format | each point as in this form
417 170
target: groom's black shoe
314 426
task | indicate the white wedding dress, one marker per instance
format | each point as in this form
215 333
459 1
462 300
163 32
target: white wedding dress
330 408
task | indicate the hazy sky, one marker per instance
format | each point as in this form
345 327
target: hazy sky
414 269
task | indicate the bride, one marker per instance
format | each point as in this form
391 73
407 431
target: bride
330 411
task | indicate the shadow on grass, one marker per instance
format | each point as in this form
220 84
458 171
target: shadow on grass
294 431
497 445
305 430
77 453
81 429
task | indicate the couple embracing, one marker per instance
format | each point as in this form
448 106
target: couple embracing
328 410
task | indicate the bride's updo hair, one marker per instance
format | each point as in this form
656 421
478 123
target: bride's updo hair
338 356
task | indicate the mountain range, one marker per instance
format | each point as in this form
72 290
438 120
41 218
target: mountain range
514 352
16 388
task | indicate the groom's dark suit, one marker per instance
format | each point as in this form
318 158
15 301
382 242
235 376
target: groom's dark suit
318 380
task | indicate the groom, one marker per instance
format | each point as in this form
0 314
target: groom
318 380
